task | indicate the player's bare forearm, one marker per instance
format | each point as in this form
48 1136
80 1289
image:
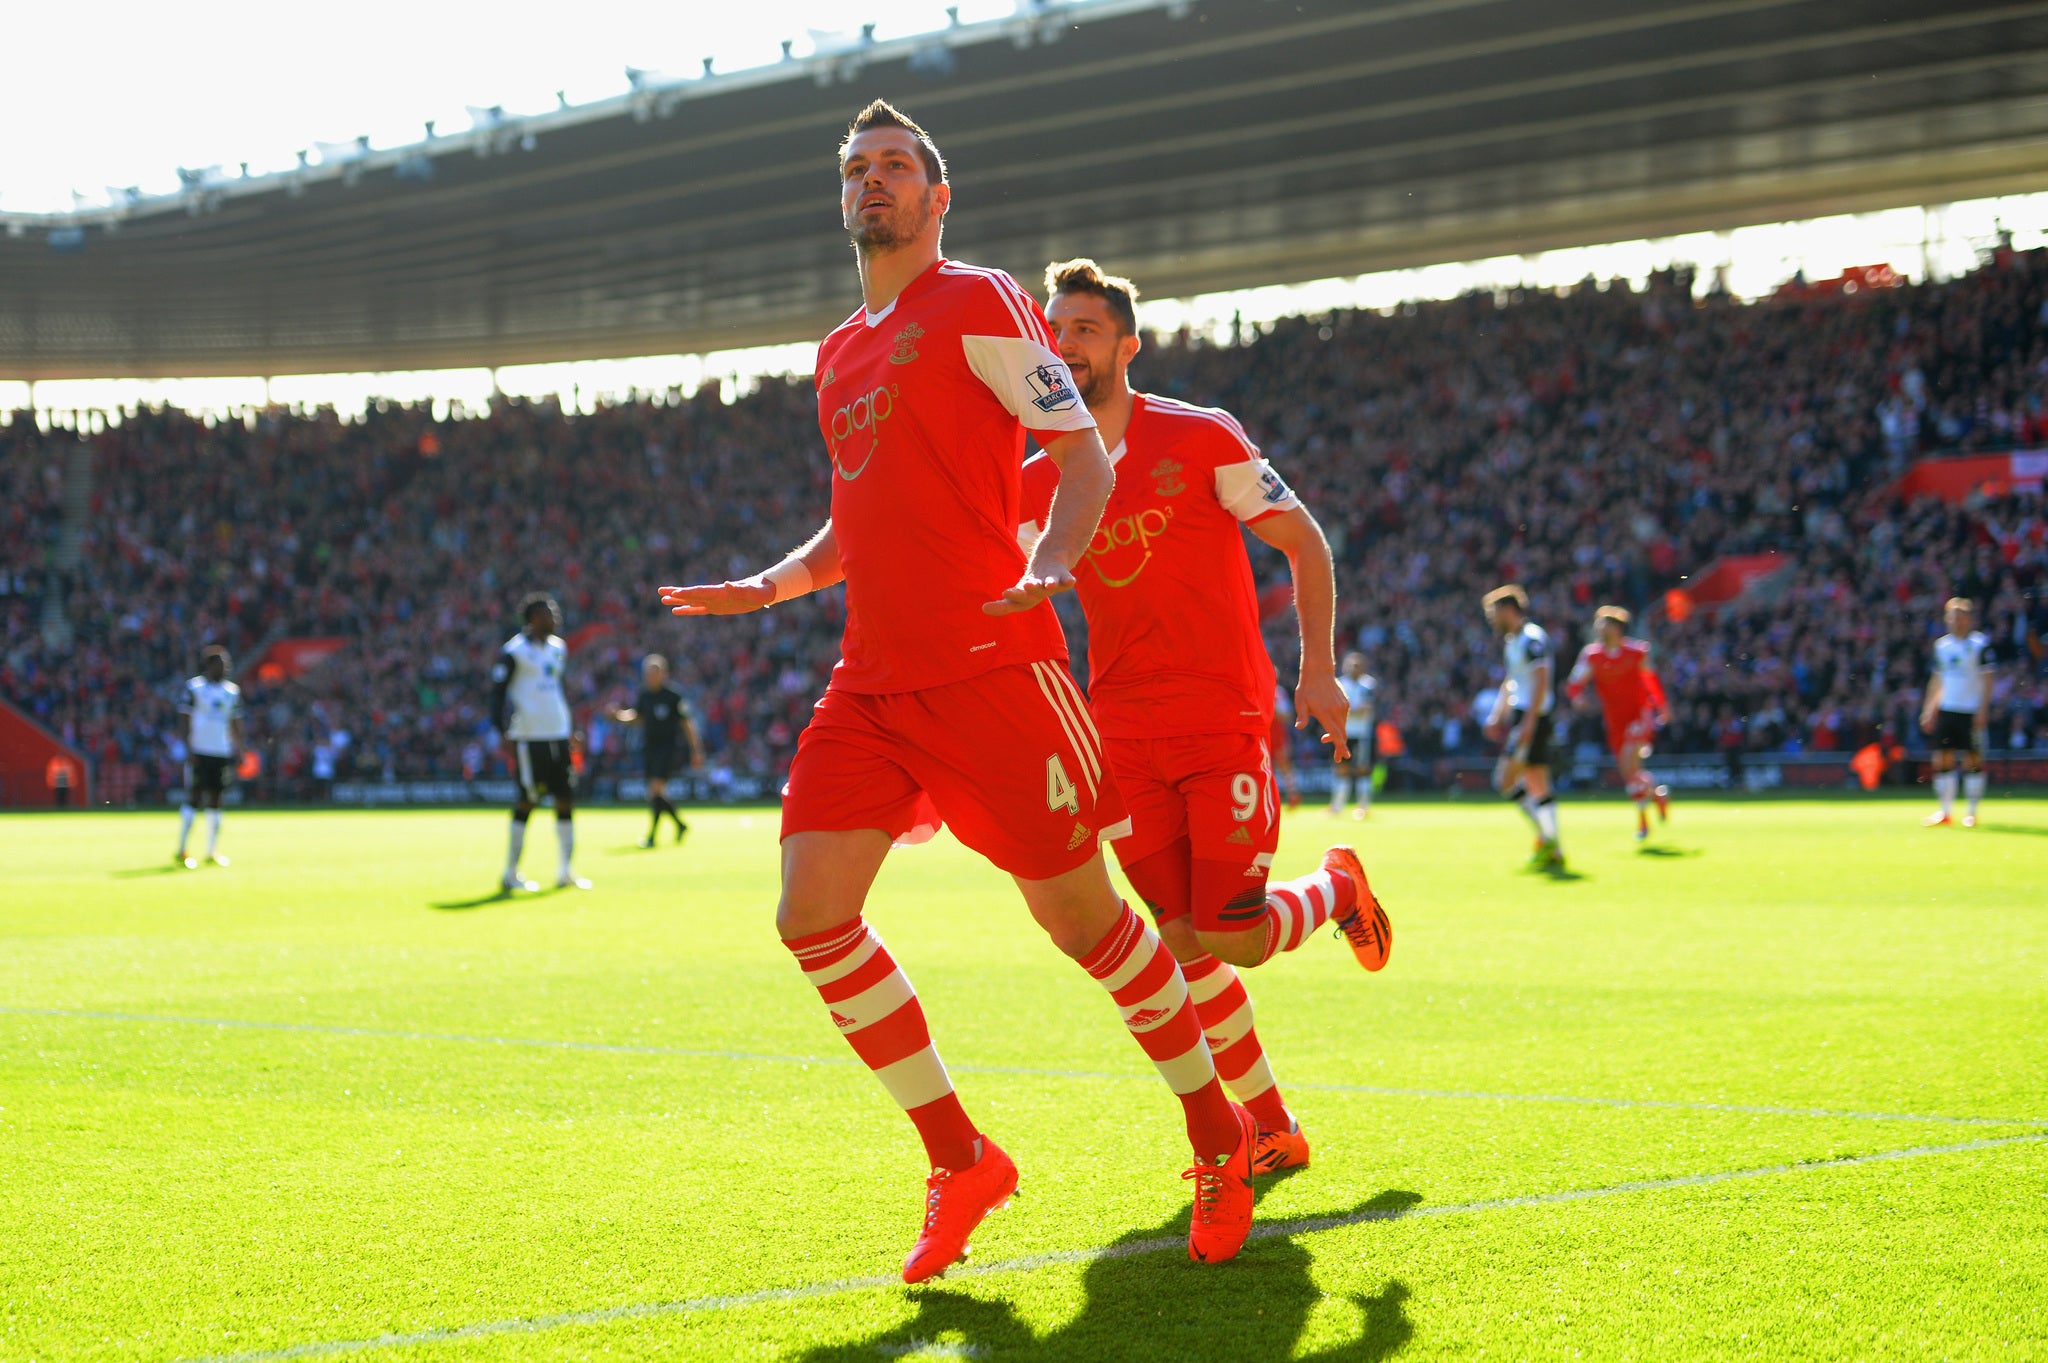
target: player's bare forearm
1086 478
1295 533
810 568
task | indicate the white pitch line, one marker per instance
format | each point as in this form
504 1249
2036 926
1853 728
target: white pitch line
769 1057
1266 1230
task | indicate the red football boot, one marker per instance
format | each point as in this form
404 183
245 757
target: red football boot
1363 923
954 1204
1279 1150
1223 1198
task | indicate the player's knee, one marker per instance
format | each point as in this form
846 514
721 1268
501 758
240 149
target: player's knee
1245 947
1181 939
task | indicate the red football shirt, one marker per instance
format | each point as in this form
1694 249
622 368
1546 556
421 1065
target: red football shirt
1627 684
1173 614
924 407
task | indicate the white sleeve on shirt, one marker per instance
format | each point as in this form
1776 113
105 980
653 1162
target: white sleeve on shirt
1031 382
1253 488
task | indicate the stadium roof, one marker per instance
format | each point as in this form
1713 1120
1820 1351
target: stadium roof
1195 144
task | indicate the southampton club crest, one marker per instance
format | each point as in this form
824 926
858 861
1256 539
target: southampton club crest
1053 388
906 344
1166 479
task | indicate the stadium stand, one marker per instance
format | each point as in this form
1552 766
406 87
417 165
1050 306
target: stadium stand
1602 444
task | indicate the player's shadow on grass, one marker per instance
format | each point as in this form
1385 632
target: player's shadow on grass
2023 830
134 872
478 902
1146 1302
1666 853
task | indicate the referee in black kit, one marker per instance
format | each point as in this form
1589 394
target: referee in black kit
665 728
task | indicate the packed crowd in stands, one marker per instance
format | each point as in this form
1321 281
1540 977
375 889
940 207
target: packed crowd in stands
1601 444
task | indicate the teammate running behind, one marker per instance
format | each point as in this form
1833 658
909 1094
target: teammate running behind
664 726
1957 711
530 709
952 699
1182 687
1631 700
1521 720
214 737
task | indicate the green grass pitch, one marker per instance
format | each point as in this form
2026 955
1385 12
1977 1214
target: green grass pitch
1777 1088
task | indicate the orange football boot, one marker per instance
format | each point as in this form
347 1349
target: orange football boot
1363 922
954 1204
1277 1150
1936 820
1223 1198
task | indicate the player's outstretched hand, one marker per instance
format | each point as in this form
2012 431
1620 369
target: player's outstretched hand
1321 699
1031 589
724 598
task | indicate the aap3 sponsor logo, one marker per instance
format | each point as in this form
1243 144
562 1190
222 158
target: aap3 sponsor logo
856 430
1122 547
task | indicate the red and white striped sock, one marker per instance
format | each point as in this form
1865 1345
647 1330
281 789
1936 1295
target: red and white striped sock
1146 984
1296 908
1225 1010
877 1012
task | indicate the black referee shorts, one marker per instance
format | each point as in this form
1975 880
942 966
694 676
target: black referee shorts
658 761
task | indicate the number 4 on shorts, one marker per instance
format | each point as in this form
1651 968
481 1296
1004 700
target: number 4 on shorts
1059 791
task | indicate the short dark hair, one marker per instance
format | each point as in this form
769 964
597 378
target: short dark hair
532 600
882 114
1082 275
1513 593
212 651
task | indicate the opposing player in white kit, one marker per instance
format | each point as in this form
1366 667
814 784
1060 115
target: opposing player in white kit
1521 719
212 706
532 712
1354 770
1957 711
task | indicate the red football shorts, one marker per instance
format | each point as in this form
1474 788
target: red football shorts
1631 735
1209 799
1010 759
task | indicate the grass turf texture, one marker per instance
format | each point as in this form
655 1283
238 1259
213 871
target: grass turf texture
329 1095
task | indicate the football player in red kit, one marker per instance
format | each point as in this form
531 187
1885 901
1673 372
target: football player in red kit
1631 701
952 700
1183 690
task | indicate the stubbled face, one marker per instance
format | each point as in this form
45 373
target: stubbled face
1504 616
885 198
540 622
1091 342
1354 666
1960 621
1610 632
653 674
214 669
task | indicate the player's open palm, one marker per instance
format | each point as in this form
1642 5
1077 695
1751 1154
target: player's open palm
723 598
1322 700
1035 586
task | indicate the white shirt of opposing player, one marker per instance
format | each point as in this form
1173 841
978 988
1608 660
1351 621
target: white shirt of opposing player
1961 664
540 708
1524 649
210 707
1360 693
